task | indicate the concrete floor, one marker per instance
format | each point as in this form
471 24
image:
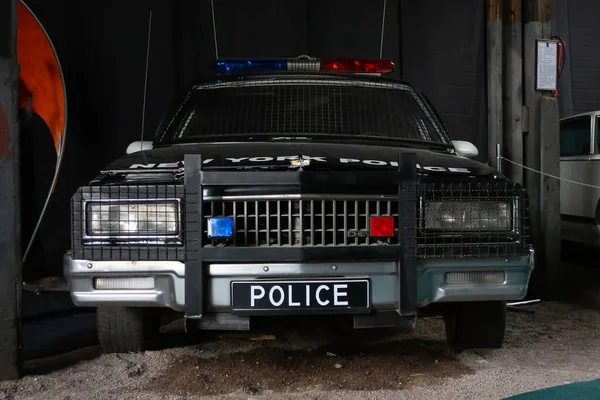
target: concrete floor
556 344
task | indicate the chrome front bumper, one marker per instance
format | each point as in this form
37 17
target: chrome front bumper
169 281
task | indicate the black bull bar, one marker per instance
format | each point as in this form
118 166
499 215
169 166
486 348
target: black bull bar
306 181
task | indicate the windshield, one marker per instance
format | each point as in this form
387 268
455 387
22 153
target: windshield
304 108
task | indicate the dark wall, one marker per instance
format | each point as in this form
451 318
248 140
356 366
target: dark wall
102 48
577 22
444 55
271 28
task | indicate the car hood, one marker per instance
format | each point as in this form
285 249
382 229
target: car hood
313 156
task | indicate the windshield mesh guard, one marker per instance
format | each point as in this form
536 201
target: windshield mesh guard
304 107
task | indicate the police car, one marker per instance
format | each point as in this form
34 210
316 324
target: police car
299 187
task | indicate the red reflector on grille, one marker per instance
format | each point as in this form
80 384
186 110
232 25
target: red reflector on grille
381 227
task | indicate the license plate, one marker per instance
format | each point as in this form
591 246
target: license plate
348 295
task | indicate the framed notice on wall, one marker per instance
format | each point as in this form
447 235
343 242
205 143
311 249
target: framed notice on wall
546 75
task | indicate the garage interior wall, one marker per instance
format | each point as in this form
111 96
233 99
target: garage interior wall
437 46
577 23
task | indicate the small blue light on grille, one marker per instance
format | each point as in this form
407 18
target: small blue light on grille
250 65
220 228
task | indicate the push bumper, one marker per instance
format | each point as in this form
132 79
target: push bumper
165 281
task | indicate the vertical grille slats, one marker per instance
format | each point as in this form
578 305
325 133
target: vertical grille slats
345 217
312 220
289 224
256 222
317 220
299 223
323 225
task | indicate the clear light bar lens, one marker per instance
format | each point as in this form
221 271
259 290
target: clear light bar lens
474 277
460 216
150 219
125 283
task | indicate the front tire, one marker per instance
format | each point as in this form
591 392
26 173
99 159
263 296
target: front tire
127 329
473 325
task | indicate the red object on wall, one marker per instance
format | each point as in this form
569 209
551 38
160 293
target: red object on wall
40 80
558 67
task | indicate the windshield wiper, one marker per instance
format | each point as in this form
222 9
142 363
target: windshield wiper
364 138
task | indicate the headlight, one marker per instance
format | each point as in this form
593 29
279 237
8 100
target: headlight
456 216
132 219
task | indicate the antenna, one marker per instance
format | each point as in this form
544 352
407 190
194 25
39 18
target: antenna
382 29
146 82
212 10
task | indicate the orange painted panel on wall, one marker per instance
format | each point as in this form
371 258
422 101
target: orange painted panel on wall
40 79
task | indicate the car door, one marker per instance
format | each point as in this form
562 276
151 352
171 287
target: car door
579 162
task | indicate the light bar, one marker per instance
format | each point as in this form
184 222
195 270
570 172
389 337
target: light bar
358 66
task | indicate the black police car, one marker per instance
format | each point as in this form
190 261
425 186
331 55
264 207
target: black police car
299 187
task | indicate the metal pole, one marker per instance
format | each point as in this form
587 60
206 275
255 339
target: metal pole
494 76
513 89
523 303
499 157
10 232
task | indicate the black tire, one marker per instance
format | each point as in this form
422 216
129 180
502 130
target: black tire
127 329
473 325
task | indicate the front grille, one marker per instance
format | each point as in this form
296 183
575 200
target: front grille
297 222
315 220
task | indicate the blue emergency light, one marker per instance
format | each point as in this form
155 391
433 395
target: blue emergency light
220 228
301 64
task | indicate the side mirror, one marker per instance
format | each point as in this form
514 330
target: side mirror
139 146
465 149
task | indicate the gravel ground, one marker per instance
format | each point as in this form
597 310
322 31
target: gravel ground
557 344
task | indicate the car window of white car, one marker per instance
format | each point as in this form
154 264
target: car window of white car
575 136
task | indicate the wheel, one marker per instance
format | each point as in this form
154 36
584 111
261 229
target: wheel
127 329
476 325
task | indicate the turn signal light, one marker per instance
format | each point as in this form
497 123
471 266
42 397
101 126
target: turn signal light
381 227
220 228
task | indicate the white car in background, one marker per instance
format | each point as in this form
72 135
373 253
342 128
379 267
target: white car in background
580 162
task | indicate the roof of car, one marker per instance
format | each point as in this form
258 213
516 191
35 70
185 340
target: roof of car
589 113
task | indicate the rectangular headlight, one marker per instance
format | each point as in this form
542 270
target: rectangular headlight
474 216
132 219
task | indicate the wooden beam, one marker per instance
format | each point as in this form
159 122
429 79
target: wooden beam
550 197
10 250
513 89
541 145
494 78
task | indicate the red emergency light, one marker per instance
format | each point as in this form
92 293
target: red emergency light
358 66
381 227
